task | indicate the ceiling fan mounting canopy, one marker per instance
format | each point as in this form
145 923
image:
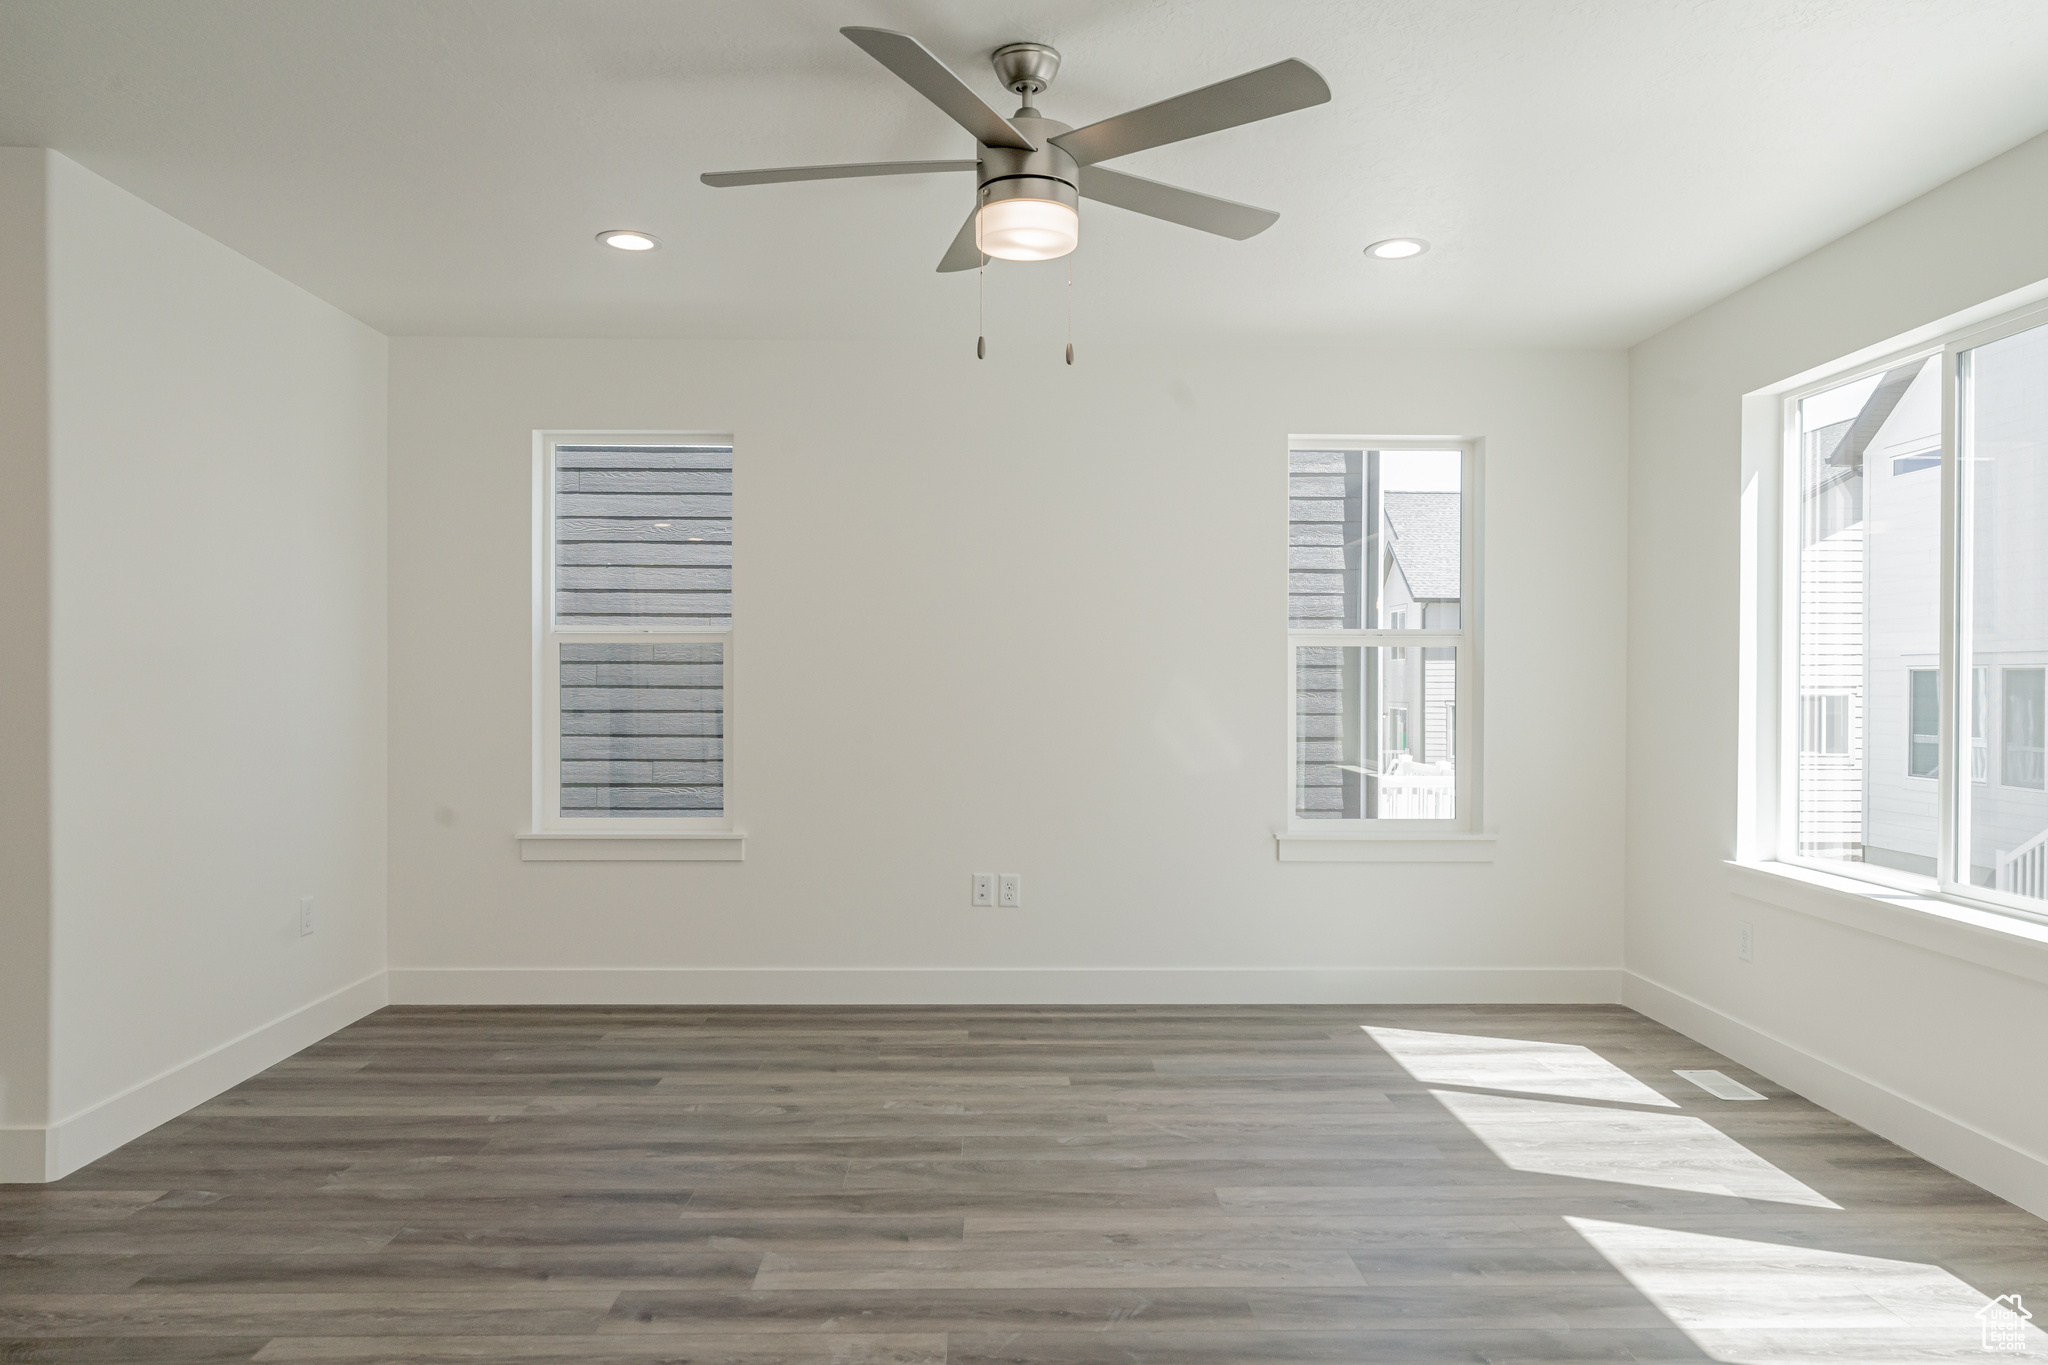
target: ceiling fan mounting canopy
1032 172
1026 69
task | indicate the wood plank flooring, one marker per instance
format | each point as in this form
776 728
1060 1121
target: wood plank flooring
989 1186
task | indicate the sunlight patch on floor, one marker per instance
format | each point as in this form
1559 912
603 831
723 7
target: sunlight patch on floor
1759 1303
1513 1064
1668 1151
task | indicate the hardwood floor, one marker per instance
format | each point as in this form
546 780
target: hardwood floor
1072 1185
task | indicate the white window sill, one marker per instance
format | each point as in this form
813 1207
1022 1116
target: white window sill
2003 943
633 846
1381 846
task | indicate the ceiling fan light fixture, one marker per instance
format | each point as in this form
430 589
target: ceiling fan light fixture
625 239
1032 171
1027 229
1397 248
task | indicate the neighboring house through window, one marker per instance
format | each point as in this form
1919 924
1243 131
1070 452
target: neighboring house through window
1381 648
633 631
1885 765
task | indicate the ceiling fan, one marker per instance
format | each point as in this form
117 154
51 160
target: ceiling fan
1032 171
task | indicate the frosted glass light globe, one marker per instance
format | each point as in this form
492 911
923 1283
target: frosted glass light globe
1026 229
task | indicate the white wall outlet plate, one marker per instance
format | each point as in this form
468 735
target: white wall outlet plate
305 915
1013 890
984 888
1745 941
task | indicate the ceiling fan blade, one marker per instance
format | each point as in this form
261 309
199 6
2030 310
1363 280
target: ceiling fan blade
930 77
963 254
1201 211
1280 88
779 174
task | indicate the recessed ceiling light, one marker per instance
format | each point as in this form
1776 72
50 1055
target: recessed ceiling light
1396 248
628 241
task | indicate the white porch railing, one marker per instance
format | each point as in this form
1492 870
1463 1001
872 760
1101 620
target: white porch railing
2024 871
1418 791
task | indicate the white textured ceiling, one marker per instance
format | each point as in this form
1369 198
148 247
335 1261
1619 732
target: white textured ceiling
1589 170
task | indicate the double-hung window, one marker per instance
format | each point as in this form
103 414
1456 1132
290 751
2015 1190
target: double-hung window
1381 640
633 631
1913 564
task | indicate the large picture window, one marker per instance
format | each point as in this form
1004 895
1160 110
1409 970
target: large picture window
1380 633
633 631
1913 671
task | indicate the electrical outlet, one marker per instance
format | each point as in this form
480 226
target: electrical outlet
984 888
1745 941
305 915
1013 891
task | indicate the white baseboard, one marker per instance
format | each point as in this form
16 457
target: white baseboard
39 1154
1001 986
1949 1142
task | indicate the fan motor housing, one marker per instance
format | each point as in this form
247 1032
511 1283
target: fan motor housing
1048 173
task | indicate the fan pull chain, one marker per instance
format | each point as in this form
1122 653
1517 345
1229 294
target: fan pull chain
1070 308
980 275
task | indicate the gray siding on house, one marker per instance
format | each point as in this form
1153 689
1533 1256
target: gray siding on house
1320 784
643 536
1325 518
643 729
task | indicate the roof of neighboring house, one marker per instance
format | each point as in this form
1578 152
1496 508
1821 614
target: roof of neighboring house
1425 542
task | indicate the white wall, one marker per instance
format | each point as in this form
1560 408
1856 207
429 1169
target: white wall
217 667
970 596
1933 1050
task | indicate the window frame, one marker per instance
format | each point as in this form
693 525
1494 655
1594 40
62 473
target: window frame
1768 827
549 637
1467 705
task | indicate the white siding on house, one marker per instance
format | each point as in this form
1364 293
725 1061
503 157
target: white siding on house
1904 625
1831 662
1439 697
1870 614
1869 611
